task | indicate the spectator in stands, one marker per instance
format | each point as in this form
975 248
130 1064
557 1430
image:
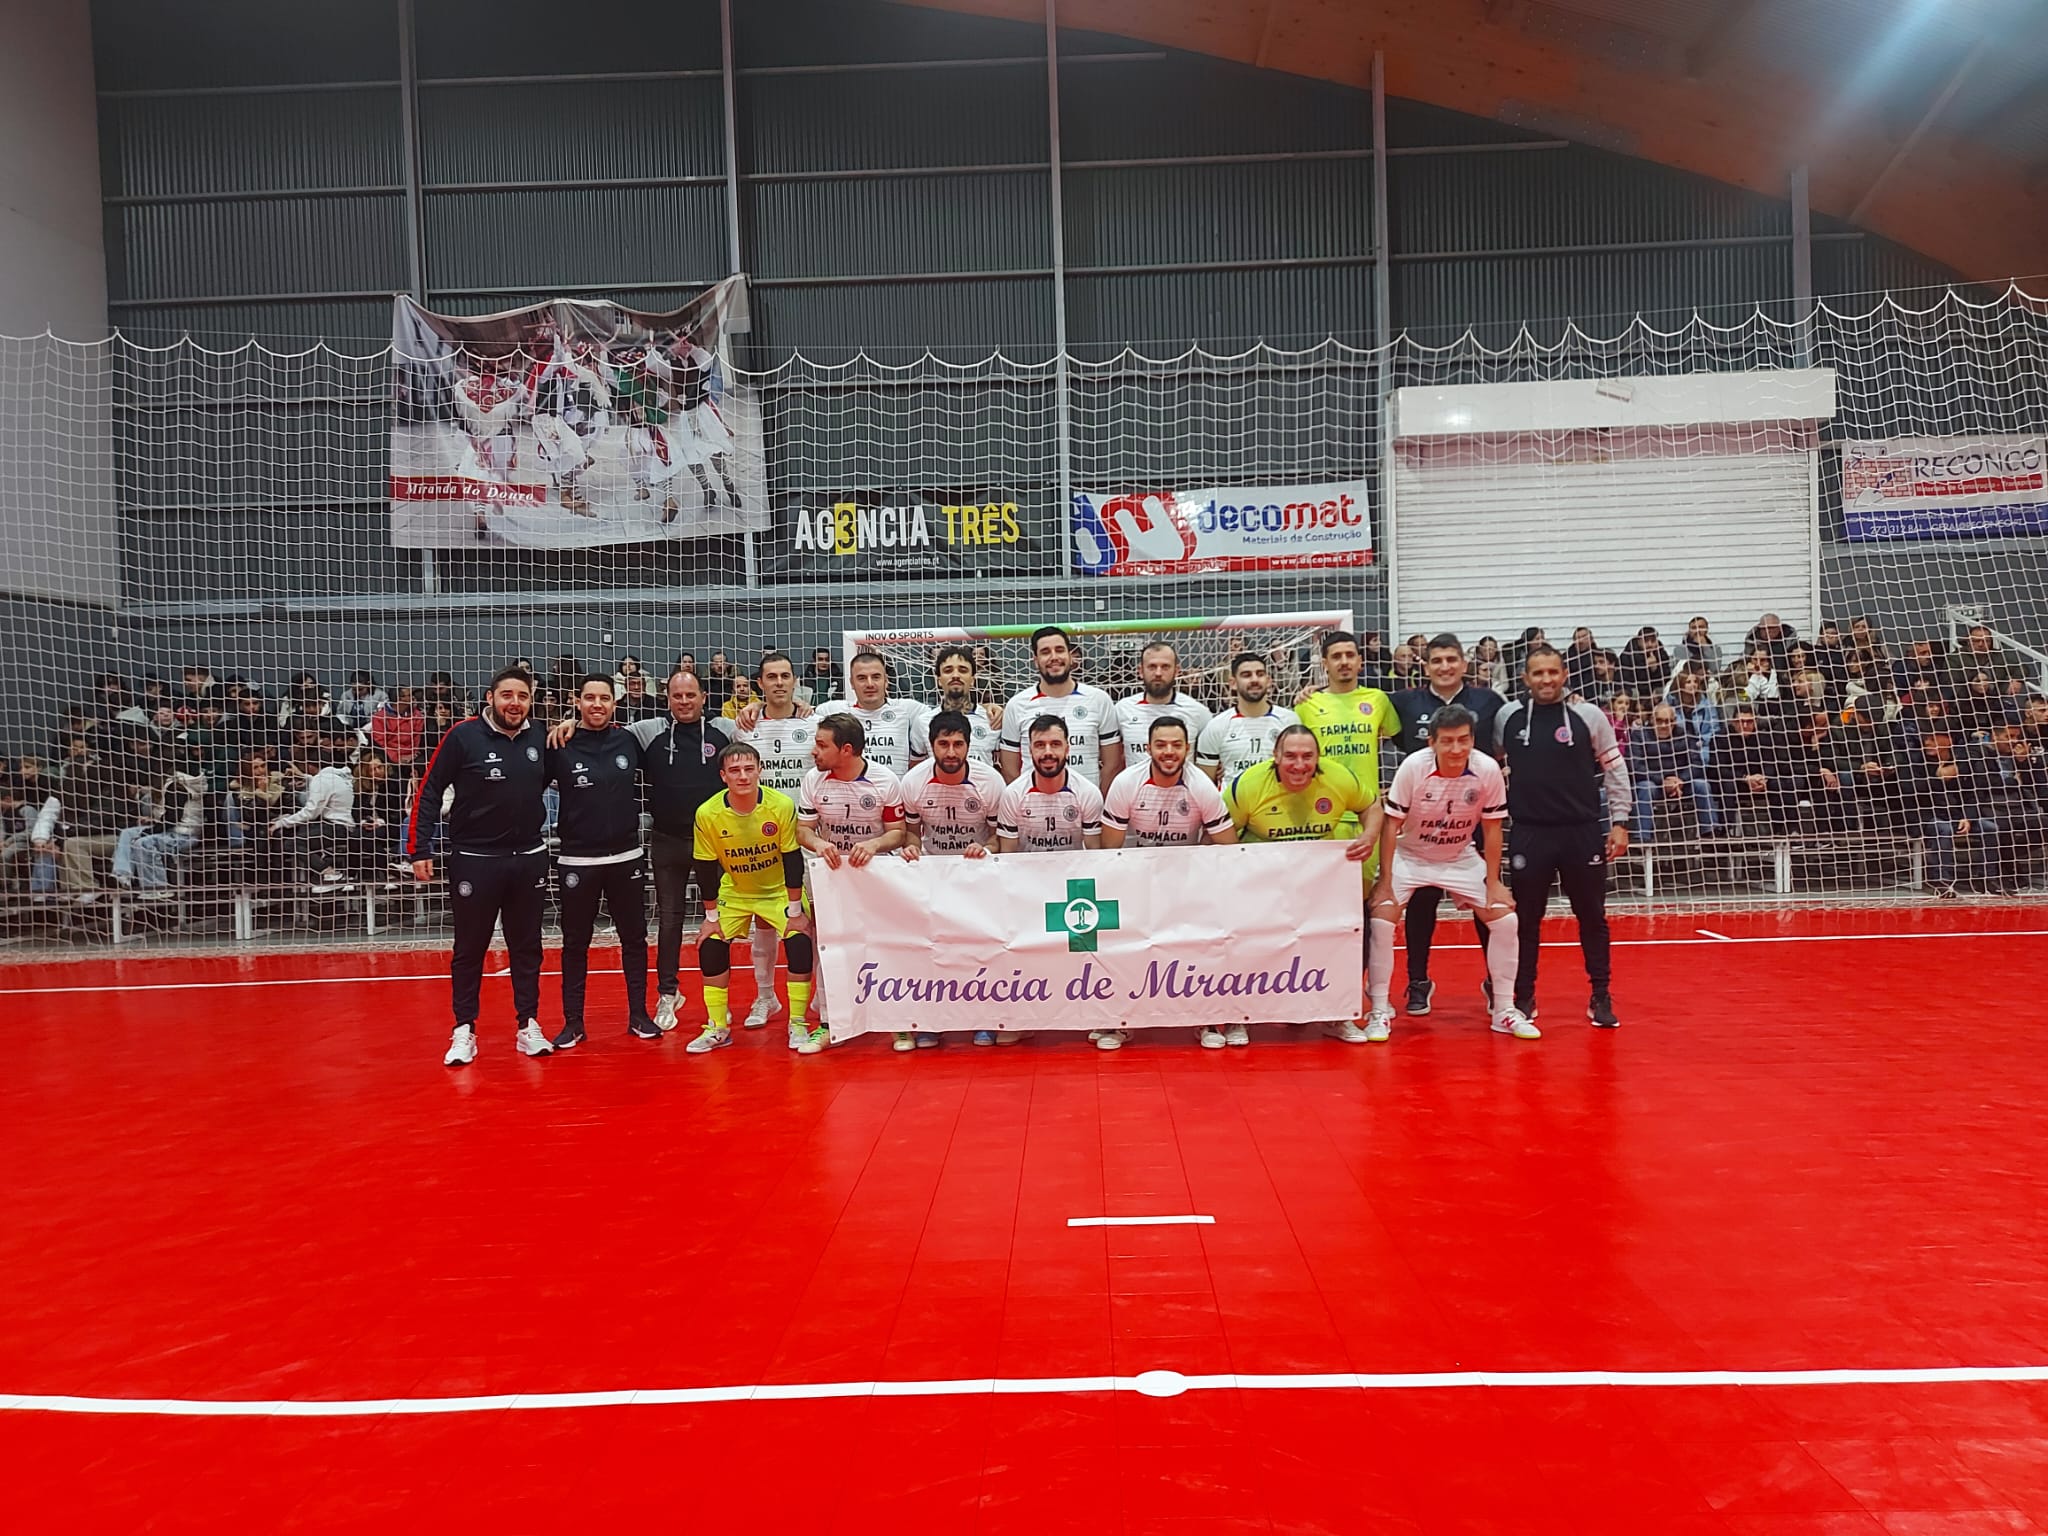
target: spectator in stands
739 695
1820 780
1925 674
1485 674
629 666
1830 656
85 819
158 706
1870 749
1773 634
249 724
564 681
823 676
360 701
1696 711
1981 702
1579 663
1625 715
1948 788
441 719
303 698
373 849
113 701
1515 656
1979 650
2033 723
1645 665
1670 775
20 864
1486 652
1746 772
258 796
1406 670
440 690
718 684
399 729
1605 682
319 828
198 684
1859 682
633 701
686 661
1865 641
2016 798
1698 645
1376 662
1756 680
177 806
1804 687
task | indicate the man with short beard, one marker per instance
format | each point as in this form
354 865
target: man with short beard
1095 749
1236 739
1159 697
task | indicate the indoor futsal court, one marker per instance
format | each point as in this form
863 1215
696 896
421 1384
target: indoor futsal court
1770 1258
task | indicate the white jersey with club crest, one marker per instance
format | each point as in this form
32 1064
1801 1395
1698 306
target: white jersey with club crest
785 748
849 811
1042 822
1150 814
952 816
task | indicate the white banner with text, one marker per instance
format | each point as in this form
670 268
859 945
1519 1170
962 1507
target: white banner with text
1263 933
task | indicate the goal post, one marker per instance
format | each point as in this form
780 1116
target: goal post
1110 649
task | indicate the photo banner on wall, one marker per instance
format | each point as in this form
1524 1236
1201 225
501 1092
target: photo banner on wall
572 424
1225 528
1965 487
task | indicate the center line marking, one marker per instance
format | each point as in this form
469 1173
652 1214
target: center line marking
1141 1221
1709 933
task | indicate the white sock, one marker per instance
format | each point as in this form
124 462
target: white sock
764 962
1379 972
1503 960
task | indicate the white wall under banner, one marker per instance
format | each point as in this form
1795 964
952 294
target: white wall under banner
1128 938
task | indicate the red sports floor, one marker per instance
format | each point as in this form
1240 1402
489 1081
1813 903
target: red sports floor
1819 1143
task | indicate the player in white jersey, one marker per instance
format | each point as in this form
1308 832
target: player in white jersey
895 727
954 670
1160 802
782 737
1437 800
1159 676
1095 748
1240 737
949 808
848 809
1045 810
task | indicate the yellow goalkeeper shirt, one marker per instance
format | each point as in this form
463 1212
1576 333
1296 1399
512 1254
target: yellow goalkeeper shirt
749 847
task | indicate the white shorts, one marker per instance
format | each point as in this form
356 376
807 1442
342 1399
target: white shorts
1462 878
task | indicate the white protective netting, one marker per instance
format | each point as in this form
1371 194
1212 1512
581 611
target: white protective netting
229 512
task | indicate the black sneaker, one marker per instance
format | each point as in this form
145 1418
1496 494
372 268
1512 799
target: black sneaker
1419 994
572 1035
1601 1011
644 1028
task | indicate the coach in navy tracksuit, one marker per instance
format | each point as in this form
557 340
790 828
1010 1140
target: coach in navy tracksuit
597 771
1416 707
498 865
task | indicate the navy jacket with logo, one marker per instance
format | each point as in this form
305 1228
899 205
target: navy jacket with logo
681 766
497 778
597 773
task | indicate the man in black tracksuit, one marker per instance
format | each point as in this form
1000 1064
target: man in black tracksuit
679 762
1568 804
498 864
1416 707
597 772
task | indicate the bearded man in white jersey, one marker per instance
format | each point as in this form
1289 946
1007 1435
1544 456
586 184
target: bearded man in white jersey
849 808
781 734
1244 735
1159 802
1159 696
1095 749
949 810
957 674
1046 810
1439 797
895 727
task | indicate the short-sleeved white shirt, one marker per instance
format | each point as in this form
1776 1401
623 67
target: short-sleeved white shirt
893 731
1134 717
849 811
1155 815
785 748
950 816
1043 822
982 738
1439 814
1091 720
1235 741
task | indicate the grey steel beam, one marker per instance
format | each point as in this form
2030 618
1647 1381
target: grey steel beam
613 77
1381 398
1063 405
173 92
1802 263
735 254
903 66
409 148
250 195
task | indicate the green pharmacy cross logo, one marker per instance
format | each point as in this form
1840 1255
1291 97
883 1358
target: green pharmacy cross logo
1080 917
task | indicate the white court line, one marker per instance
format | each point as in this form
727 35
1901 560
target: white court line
442 976
1149 1384
1709 933
1141 1221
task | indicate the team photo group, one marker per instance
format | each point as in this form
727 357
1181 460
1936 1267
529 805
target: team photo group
745 809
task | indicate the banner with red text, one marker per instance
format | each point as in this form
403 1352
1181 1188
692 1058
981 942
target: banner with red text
1231 528
1130 938
572 424
1944 488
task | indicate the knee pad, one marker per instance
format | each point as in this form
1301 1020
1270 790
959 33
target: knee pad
801 951
714 956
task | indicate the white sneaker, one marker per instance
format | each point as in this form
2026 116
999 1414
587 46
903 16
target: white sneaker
1212 1039
665 1013
1095 1035
1111 1039
1237 1034
532 1042
1379 1026
1347 1030
816 1038
905 1041
461 1047
1515 1023
710 1040
764 1009
798 1034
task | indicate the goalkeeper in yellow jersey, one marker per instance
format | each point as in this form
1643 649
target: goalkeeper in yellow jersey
750 870
1300 795
1349 721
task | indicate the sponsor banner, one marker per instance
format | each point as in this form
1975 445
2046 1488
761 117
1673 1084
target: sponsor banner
904 533
1093 940
1935 488
572 424
1234 528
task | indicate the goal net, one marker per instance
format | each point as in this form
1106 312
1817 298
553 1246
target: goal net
323 549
